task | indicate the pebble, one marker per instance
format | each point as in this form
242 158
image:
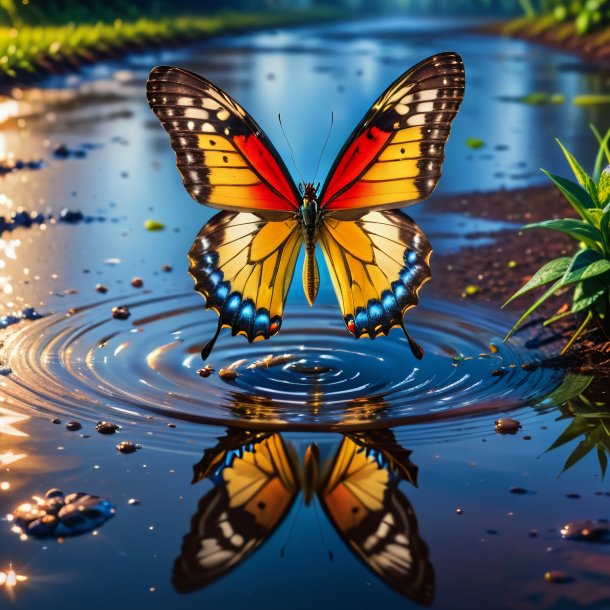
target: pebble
459 511
587 531
106 427
120 312
59 516
519 491
101 288
206 371
499 372
506 425
557 576
70 216
73 426
133 502
128 447
56 420
166 268
137 282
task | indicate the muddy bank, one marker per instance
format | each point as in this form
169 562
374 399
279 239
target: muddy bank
562 36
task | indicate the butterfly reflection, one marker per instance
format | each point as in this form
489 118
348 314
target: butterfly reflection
258 476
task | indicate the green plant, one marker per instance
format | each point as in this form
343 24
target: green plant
588 271
586 408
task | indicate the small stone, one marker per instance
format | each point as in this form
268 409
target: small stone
557 576
106 427
206 371
533 533
499 372
170 425
101 288
70 216
459 511
137 282
73 426
166 268
56 420
133 502
128 447
506 425
120 312
519 491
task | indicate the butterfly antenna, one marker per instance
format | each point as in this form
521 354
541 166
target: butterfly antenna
330 553
332 120
294 520
279 116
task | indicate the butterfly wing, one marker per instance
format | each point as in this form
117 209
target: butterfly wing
243 266
256 485
394 156
225 158
361 497
377 264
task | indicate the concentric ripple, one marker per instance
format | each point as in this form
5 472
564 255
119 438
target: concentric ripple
91 366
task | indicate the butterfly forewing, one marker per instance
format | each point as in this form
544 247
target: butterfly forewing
225 158
394 156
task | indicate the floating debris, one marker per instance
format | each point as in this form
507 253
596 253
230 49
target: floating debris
106 427
271 360
309 369
475 143
133 502
120 312
28 313
530 366
5 371
557 576
230 374
592 99
499 372
153 225
137 282
128 447
459 511
101 288
506 425
6 167
59 516
56 421
587 531
521 491
73 426
206 371
166 268
573 496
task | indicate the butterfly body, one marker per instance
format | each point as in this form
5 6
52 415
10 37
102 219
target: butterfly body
244 259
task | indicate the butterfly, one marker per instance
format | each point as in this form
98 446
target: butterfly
244 259
258 477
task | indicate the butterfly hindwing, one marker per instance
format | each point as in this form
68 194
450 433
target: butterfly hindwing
225 158
361 497
394 156
243 266
256 486
377 264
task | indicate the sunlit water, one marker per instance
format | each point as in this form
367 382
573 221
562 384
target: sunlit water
141 373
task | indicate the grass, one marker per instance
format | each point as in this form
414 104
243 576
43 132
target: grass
33 49
587 273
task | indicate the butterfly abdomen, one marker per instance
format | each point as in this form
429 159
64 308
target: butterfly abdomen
311 275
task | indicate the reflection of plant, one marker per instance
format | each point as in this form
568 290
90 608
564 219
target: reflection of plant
588 271
590 422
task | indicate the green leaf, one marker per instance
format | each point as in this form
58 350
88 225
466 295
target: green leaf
585 264
550 292
577 427
581 175
603 149
582 449
575 228
603 459
603 187
579 199
549 272
571 386
584 302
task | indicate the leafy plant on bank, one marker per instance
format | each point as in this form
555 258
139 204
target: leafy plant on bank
587 273
585 15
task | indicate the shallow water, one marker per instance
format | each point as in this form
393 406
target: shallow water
78 363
